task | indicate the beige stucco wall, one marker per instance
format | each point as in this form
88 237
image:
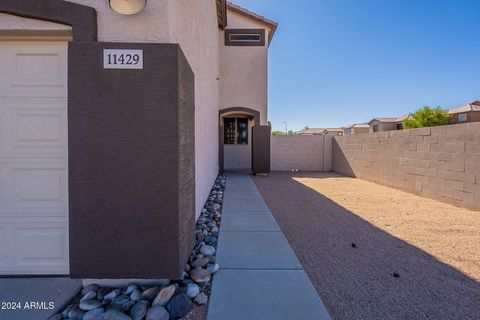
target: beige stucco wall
150 25
194 26
304 153
243 71
474 116
441 163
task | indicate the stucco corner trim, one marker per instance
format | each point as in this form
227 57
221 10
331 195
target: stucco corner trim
82 19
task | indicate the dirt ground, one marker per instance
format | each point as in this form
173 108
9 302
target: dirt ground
351 236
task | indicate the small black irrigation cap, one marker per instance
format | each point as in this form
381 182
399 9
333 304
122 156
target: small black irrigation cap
354 245
396 275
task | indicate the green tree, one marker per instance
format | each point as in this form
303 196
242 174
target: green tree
427 117
291 132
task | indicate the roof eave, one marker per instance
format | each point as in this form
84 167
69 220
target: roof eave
242 11
384 121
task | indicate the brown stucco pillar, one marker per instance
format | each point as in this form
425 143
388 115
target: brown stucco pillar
131 163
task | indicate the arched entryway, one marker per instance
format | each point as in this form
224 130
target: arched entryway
244 145
235 149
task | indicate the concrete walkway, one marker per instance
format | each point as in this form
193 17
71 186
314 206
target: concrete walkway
260 277
39 298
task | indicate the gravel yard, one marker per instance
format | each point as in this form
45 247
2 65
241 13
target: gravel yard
374 252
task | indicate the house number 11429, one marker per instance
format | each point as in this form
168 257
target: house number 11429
122 59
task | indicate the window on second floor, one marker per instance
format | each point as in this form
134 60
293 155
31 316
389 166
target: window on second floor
399 126
375 128
462 117
235 130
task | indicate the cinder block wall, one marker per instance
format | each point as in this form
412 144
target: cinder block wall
441 163
305 153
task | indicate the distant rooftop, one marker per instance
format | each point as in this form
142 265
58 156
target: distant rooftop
317 131
390 120
473 106
311 131
357 125
333 129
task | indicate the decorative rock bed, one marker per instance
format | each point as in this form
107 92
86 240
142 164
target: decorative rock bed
168 299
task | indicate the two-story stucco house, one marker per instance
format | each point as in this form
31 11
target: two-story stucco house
466 113
114 126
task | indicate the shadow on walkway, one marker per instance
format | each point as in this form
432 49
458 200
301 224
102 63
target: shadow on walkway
358 283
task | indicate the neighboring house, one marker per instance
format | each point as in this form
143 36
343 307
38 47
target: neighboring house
356 129
333 131
158 103
311 132
386 124
320 131
467 113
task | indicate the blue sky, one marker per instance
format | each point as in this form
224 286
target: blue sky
336 62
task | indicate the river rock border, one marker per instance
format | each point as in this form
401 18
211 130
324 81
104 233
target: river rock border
169 300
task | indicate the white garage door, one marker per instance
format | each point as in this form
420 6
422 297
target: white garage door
33 158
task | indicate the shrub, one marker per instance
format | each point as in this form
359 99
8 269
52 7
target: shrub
427 117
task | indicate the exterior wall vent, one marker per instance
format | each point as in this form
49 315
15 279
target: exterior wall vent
245 37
